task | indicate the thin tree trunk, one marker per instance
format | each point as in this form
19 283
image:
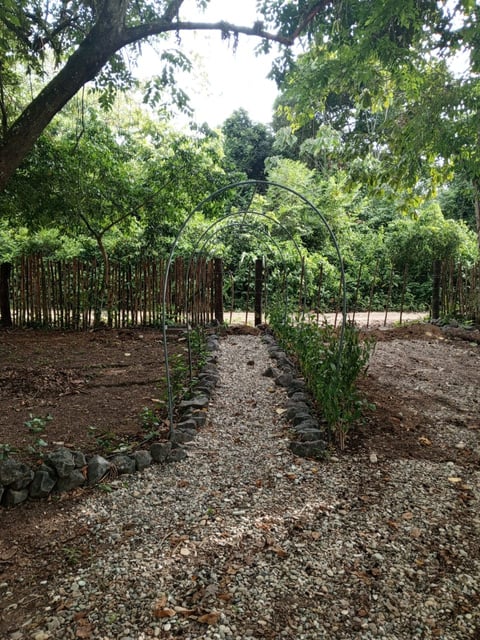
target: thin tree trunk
476 192
5 312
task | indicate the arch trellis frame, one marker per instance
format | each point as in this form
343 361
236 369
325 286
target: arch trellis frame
254 184
205 237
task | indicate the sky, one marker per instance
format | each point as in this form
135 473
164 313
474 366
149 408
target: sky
223 80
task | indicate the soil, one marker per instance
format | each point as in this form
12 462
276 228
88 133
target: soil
423 381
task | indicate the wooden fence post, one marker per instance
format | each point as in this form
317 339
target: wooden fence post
5 312
437 276
258 291
218 289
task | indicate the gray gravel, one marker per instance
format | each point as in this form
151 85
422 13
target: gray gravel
243 540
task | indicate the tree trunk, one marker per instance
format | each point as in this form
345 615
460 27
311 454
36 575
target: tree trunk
107 288
476 195
107 36
5 312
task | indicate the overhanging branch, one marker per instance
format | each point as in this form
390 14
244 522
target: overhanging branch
133 34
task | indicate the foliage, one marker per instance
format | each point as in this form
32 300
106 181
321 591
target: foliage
331 362
246 144
64 46
37 425
377 90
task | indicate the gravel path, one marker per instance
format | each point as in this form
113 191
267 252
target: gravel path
243 540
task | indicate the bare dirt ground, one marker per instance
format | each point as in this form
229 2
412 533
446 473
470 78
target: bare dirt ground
422 379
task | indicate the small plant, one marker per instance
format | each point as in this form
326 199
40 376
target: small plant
6 451
72 555
37 425
150 421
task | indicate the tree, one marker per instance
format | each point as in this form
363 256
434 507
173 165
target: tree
85 39
246 144
380 73
107 180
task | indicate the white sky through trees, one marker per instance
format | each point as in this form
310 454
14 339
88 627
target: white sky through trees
223 80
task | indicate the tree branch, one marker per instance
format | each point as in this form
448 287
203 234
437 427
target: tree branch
132 34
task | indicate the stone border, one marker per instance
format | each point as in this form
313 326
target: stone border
64 470
309 436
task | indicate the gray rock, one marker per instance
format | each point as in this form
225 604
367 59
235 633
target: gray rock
308 423
160 450
62 461
269 373
309 435
74 480
284 380
180 436
296 409
97 468
14 473
189 423
143 459
209 369
123 464
312 449
198 402
299 396
42 484
212 343
79 459
301 416
295 386
13 497
176 455
199 417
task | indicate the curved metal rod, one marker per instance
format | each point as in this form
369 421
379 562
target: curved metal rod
210 198
267 243
244 213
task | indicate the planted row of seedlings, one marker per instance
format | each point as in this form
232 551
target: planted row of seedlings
309 433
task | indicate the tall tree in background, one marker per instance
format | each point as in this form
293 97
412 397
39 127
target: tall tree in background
246 144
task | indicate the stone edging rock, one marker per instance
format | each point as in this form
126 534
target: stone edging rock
64 470
309 437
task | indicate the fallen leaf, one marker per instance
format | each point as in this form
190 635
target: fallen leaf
226 597
164 612
184 611
415 532
210 618
315 535
281 553
454 479
84 629
161 601
408 515
423 440
280 412
184 551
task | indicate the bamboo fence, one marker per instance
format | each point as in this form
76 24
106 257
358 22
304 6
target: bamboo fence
70 294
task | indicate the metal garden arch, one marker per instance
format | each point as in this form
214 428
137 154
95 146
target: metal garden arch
254 185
